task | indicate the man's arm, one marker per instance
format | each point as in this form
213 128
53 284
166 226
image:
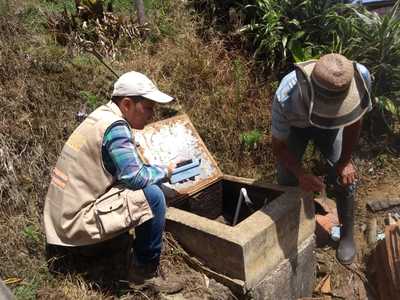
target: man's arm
124 161
280 132
307 181
351 135
344 167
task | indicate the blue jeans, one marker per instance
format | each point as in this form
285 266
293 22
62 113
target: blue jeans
148 241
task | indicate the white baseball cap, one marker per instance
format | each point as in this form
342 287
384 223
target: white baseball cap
136 84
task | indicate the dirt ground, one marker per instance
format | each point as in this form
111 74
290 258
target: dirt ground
42 87
357 280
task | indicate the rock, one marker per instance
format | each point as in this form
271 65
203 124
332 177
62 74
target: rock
381 204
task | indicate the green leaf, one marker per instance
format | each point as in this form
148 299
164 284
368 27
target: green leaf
251 138
32 233
388 105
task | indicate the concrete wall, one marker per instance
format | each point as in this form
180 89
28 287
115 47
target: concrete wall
5 293
293 278
272 238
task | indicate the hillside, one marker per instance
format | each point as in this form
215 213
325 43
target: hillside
47 76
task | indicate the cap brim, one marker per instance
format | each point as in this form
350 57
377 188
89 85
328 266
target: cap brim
158 96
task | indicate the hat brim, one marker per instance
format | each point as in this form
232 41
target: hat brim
158 96
331 113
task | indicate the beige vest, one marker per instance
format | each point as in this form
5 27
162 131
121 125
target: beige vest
83 204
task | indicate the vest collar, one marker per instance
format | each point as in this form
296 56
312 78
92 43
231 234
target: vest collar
115 109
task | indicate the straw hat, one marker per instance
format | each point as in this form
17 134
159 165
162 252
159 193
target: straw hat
334 91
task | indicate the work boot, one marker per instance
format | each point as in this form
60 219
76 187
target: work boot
149 276
345 198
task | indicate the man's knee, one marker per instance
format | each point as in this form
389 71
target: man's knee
285 177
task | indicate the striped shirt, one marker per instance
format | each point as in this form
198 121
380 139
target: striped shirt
121 159
288 110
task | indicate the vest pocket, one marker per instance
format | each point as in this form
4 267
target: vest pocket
112 212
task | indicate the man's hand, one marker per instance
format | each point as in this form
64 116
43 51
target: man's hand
311 183
170 168
344 168
308 182
346 172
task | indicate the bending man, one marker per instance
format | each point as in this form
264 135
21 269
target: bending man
323 101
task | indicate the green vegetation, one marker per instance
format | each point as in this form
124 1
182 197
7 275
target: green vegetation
375 41
32 233
91 99
251 139
288 31
47 77
282 33
48 73
27 290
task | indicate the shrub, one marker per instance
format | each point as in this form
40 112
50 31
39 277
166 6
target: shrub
374 41
250 139
289 31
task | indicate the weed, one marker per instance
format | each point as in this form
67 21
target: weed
32 233
51 52
274 85
125 7
238 72
27 290
82 60
288 31
58 6
91 99
164 23
4 8
33 18
250 139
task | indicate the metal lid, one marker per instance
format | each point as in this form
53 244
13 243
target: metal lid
177 139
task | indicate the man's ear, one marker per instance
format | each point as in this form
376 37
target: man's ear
125 104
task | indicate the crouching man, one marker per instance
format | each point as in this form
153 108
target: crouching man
323 101
100 188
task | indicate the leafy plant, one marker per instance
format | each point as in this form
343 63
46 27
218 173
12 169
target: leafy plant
27 291
389 112
91 99
288 31
374 40
31 233
250 139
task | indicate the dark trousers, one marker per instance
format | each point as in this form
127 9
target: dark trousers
329 143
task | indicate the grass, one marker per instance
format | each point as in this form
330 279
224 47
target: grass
251 139
26 291
91 99
43 85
